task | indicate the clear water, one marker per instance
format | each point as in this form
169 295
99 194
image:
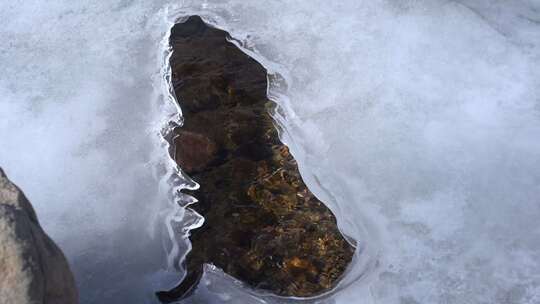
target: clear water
416 121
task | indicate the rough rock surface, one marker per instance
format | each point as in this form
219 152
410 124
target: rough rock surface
262 224
32 268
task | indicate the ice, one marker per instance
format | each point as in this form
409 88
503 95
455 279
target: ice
420 118
416 121
80 117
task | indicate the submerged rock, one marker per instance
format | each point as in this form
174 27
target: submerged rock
196 151
32 268
262 225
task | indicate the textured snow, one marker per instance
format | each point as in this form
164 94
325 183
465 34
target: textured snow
79 123
416 121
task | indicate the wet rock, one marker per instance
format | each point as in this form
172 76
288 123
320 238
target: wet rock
194 151
262 225
32 268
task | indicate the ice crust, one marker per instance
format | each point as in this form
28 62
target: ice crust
416 121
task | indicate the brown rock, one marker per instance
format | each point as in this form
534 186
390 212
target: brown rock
262 224
32 268
194 151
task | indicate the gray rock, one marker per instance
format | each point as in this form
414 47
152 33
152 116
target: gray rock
32 268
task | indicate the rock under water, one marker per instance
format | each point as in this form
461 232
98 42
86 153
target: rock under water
262 224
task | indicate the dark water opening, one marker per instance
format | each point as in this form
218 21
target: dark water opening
262 224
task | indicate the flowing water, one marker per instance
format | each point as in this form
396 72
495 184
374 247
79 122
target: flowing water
415 121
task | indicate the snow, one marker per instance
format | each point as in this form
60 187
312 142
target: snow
416 121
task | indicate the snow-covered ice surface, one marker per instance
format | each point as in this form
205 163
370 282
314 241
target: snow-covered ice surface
416 121
80 115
